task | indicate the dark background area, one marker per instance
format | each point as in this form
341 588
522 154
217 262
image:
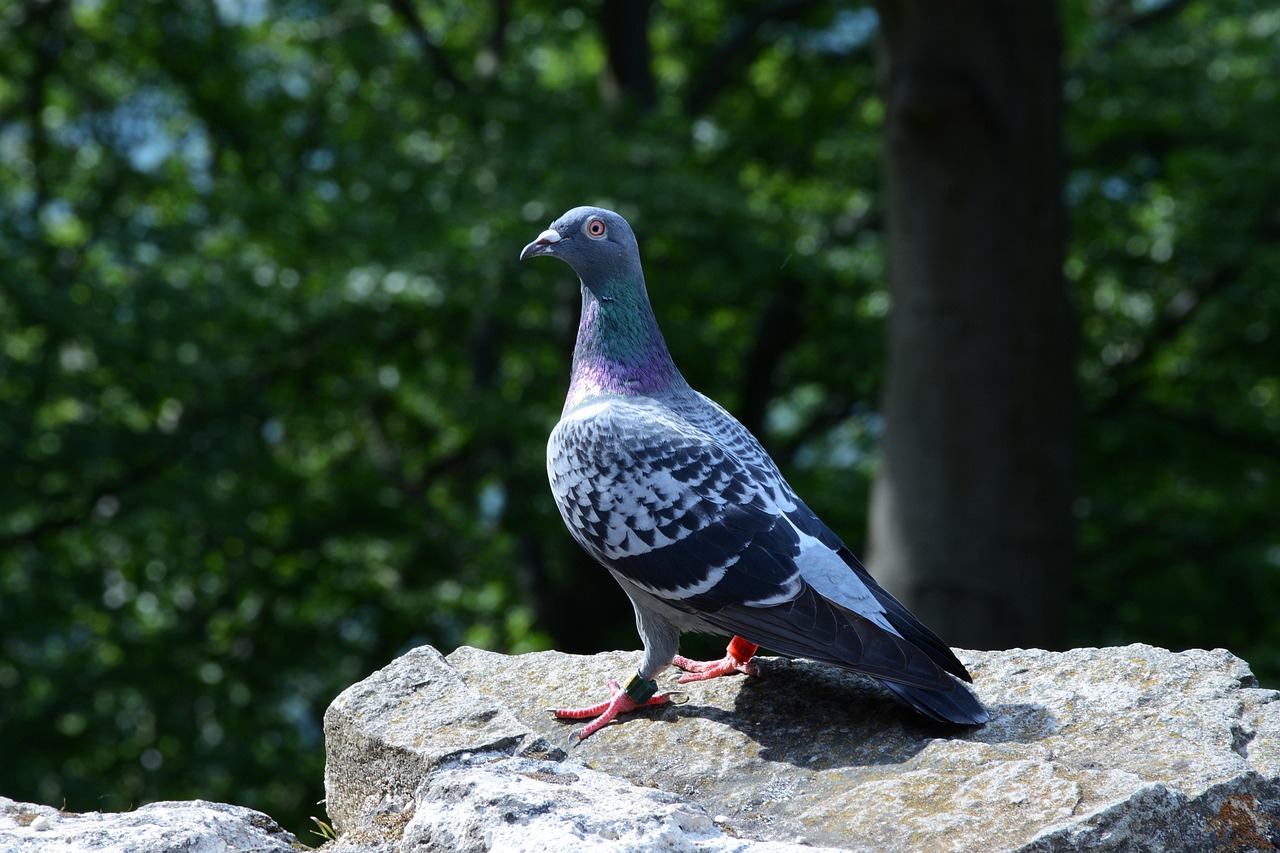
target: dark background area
276 390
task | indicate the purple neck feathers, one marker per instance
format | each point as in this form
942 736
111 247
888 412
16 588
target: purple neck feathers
620 350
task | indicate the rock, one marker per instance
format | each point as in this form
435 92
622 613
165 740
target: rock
492 803
1131 748
385 735
193 827
418 760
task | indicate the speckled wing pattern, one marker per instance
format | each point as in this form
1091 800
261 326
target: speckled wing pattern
679 499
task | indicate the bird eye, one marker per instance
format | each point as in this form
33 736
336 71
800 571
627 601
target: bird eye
595 228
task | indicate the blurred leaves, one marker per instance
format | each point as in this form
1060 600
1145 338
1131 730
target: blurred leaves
279 389
1175 199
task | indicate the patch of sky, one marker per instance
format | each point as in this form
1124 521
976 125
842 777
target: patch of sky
492 500
1117 188
846 444
849 444
242 13
851 30
148 128
304 719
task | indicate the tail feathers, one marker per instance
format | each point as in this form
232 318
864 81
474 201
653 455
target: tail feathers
957 706
905 622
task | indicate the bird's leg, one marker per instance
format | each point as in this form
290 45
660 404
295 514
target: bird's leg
640 692
737 658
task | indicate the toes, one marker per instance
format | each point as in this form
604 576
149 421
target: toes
606 712
689 665
696 675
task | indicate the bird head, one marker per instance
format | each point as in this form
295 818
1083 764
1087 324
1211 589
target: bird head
597 243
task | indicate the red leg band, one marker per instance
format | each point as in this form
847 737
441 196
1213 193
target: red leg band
742 650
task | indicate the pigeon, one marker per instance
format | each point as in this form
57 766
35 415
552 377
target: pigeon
683 506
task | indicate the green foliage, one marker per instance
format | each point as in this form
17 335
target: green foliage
1175 200
277 389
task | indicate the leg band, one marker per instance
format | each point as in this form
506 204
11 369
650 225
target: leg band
742 650
640 689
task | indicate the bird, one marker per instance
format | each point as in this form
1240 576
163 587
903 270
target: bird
694 520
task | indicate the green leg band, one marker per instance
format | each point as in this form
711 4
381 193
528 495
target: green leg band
640 689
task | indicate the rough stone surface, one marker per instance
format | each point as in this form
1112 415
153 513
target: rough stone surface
191 827
1118 749
491 803
386 734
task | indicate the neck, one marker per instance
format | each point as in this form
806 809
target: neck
620 350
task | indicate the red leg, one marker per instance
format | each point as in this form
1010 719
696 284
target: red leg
639 693
737 658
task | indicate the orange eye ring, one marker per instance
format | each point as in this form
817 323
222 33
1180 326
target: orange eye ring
596 228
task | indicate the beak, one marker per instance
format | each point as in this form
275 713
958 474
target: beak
544 245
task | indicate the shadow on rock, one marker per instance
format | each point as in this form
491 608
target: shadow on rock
819 717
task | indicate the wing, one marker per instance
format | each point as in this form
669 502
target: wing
709 527
634 483
729 432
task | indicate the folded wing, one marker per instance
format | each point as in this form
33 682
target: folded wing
684 518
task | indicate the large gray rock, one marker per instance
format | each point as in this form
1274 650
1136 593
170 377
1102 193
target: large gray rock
1117 749
417 760
192 827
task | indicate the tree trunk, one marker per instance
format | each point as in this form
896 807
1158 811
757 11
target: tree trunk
625 27
971 511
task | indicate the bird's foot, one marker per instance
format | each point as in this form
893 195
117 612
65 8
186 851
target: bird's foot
639 693
737 658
